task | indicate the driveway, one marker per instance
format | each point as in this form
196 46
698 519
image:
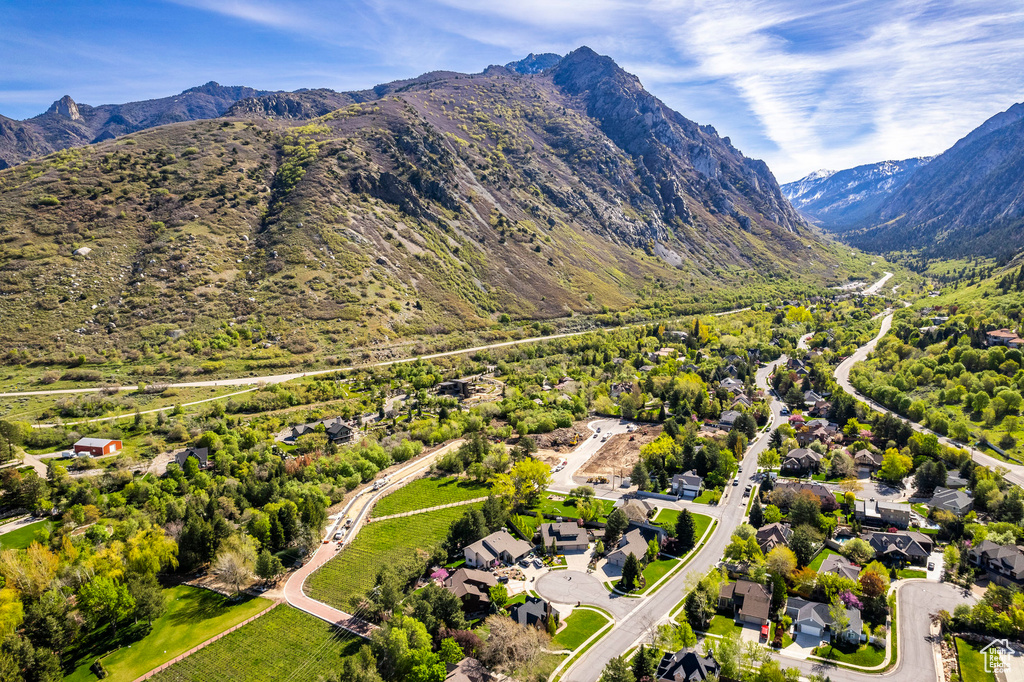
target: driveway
802 647
569 587
940 563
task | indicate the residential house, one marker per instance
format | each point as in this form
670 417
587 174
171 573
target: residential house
728 419
882 513
568 536
801 461
820 409
468 670
742 401
666 352
472 587
337 430
901 547
810 434
96 447
637 510
953 480
867 461
840 565
956 501
498 547
686 665
534 611
687 485
773 535
456 388
787 488
1004 337
201 455
749 602
1003 563
813 618
810 398
633 542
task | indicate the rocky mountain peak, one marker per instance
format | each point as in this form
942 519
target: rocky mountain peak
65 107
534 63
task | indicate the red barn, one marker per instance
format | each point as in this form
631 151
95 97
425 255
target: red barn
97 447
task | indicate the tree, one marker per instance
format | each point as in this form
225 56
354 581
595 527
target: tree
872 584
616 524
653 549
841 466
631 573
839 617
781 560
105 600
48 622
639 477
769 459
805 509
235 561
756 518
510 645
895 466
645 665
451 652
928 476
686 531
499 596
149 599
858 551
772 514
268 566
618 670
804 543
951 560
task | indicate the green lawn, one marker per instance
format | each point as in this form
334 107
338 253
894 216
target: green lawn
192 616
23 537
579 626
285 644
820 559
863 655
566 508
786 638
700 523
905 573
378 544
429 492
723 626
666 518
972 662
921 509
704 497
654 571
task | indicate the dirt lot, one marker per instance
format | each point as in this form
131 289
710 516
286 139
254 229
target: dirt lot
552 446
620 453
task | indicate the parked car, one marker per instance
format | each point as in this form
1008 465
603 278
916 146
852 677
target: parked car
784 411
735 481
537 563
746 491
524 563
931 565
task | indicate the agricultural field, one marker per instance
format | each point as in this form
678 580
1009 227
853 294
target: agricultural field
429 492
378 544
284 644
192 616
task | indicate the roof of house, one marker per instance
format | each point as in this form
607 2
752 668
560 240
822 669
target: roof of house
799 486
532 611
729 417
803 457
771 536
865 456
840 565
901 543
686 665
467 670
689 478
498 542
953 480
816 613
94 442
729 382
633 543
567 532
637 510
757 598
951 500
201 455
471 582
1010 556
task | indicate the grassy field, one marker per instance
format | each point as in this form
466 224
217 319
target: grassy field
701 523
191 617
723 626
820 559
579 626
705 497
285 644
905 573
23 537
863 655
567 509
658 568
429 492
972 662
355 568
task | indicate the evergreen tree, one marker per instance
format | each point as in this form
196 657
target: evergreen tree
686 531
631 572
756 514
617 670
645 667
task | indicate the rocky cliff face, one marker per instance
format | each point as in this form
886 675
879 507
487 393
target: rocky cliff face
534 63
969 200
300 105
841 200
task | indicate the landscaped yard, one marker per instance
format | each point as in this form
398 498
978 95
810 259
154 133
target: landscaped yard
579 626
905 573
567 508
972 662
378 544
820 559
192 616
863 655
429 492
285 644
700 523
787 639
705 496
656 569
723 626
23 537
666 518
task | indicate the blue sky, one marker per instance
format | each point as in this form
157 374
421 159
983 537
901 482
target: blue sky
802 84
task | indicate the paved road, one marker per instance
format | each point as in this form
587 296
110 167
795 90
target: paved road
874 288
569 587
918 599
1015 472
650 610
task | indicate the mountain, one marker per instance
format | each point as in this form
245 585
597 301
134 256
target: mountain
534 63
445 207
840 200
69 124
968 201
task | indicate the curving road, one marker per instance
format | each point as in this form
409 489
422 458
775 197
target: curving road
1015 472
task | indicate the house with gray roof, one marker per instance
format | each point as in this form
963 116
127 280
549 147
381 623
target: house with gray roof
534 611
956 501
728 419
1003 563
813 618
686 665
201 455
568 536
472 587
750 602
773 535
883 513
903 546
687 485
840 565
801 461
497 548
634 542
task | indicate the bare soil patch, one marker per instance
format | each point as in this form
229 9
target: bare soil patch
620 453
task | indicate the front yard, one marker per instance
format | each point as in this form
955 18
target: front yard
579 626
972 662
863 655
723 626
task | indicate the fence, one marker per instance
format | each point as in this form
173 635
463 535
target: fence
203 645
